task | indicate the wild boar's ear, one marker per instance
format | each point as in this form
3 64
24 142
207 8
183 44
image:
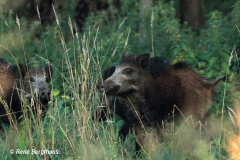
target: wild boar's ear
3 61
19 70
48 69
108 72
23 69
143 60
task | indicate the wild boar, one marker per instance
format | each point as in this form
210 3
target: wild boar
36 87
149 88
17 80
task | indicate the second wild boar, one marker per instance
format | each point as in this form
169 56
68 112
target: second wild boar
18 80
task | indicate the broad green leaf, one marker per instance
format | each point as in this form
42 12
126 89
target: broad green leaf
191 54
65 97
225 66
183 45
212 61
210 74
202 71
55 92
176 51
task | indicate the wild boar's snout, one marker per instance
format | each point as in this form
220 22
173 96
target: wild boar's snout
109 87
100 87
44 93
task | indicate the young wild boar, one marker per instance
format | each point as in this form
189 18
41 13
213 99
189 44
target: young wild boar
149 88
19 80
36 87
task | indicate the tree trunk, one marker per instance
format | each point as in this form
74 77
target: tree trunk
191 11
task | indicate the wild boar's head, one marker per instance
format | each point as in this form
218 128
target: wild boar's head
128 75
36 84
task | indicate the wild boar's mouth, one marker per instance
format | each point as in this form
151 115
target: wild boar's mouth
118 92
109 87
45 101
112 90
126 93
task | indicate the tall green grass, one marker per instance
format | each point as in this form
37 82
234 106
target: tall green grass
67 126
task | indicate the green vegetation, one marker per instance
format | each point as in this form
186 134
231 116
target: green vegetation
78 61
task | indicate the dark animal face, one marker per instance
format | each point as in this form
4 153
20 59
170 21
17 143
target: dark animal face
128 76
36 84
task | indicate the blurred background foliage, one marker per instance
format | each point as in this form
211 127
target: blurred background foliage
156 26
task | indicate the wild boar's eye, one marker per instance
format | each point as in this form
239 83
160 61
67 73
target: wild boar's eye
127 71
32 79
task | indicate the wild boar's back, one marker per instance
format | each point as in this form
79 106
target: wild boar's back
10 77
198 92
